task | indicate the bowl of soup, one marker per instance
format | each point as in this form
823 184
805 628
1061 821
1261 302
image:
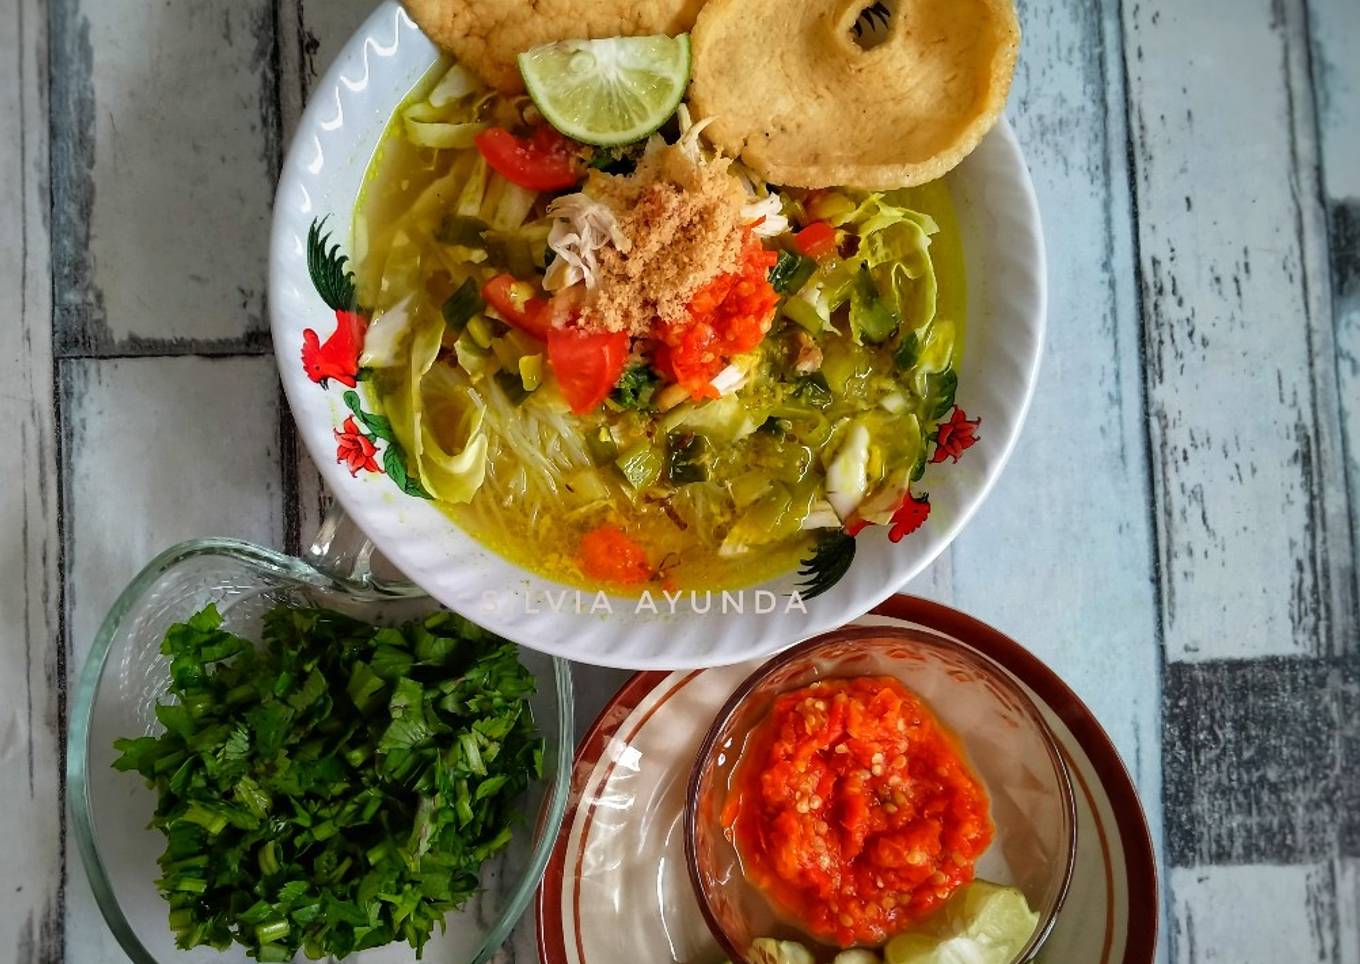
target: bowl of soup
635 406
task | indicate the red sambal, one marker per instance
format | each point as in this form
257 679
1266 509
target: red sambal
853 810
729 316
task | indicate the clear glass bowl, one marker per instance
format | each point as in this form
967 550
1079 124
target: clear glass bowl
126 675
1003 737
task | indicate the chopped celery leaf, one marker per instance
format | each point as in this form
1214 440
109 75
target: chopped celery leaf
337 788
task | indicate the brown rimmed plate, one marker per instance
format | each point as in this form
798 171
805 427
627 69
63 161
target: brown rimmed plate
617 887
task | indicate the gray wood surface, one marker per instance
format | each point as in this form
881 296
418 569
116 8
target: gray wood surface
1177 532
33 664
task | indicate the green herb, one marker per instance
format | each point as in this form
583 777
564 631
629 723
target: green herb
513 386
459 229
616 160
462 305
687 458
918 469
481 330
601 446
828 564
338 788
802 312
641 464
791 272
776 426
940 390
813 390
907 352
871 317
636 386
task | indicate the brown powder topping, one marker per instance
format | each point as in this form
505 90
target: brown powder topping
683 222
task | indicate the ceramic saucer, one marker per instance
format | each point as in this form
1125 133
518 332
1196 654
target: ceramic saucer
617 888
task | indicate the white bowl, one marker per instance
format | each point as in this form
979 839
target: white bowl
1004 253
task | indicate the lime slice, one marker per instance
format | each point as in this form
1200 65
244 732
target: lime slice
608 92
996 915
983 923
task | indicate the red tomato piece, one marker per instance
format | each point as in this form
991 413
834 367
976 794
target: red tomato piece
544 161
518 303
817 240
587 364
607 554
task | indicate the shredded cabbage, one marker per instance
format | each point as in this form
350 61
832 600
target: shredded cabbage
385 342
828 289
880 506
895 244
936 353
453 86
895 247
441 136
469 204
724 420
775 516
847 476
401 269
822 516
512 207
427 125
729 379
452 478
443 121
448 476
434 199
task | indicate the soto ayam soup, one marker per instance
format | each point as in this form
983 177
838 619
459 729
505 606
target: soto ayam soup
642 364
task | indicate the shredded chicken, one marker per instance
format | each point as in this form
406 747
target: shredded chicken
766 216
808 357
583 226
689 140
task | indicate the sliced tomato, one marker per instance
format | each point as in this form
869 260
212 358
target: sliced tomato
587 364
817 240
544 161
518 303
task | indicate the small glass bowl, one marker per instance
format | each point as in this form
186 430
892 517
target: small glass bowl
125 675
1003 737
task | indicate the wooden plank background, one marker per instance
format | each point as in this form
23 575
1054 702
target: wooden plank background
1176 534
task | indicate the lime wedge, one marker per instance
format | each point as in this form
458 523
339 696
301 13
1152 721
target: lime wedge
983 923
608 92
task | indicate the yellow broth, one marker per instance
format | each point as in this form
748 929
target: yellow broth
541 530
